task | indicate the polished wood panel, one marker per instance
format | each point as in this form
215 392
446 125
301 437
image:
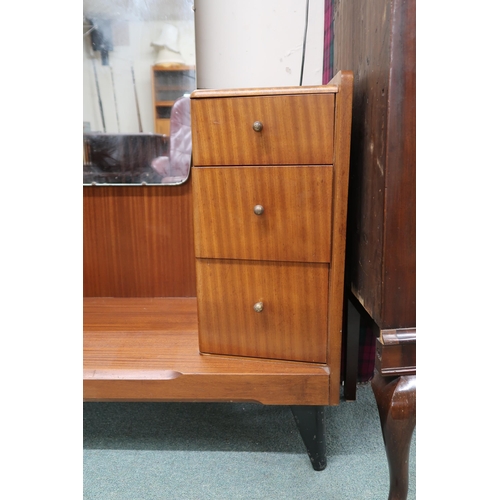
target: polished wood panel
397 352
376 39
264 91
399 309
138 241
147 350
397 404
296 130
296 222
138 348
343 116
228 141
162 126
293 323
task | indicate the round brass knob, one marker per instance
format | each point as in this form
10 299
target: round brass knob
258 307
258 126
258 210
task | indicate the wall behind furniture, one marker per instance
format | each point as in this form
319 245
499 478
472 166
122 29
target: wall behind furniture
257 43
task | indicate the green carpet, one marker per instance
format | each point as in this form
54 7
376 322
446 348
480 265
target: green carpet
198 451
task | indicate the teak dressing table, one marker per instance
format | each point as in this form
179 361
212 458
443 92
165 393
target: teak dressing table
229 287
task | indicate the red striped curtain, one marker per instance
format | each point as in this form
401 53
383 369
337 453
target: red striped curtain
328 43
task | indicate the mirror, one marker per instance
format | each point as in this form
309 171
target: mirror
138 71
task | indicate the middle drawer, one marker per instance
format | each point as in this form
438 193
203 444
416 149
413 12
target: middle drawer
263 213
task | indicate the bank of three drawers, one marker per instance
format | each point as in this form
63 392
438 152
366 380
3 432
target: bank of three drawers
262 190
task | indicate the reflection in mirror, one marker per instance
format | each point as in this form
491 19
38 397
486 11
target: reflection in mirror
138 72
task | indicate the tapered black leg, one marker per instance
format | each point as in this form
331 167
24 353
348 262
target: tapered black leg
311 423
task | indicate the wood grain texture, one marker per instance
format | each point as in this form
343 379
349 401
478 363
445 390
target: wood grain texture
399 305
341 163
296 130
138 241
397 352
141 349
376 39
146 349
295 225
260 91
293 323
223 136
397 405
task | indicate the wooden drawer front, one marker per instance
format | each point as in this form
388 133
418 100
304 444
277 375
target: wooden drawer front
292 324
295 225
296 130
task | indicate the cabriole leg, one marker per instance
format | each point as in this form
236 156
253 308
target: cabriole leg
396 399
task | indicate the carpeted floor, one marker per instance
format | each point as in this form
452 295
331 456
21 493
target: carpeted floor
199 451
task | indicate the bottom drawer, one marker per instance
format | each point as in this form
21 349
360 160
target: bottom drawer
263 309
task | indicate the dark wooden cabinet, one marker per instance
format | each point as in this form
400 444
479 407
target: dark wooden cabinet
376 40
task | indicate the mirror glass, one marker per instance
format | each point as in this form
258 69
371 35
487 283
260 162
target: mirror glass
138 71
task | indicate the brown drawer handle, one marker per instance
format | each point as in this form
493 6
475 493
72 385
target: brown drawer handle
258 210
258 126
258 307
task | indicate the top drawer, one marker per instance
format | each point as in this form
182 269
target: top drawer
296 130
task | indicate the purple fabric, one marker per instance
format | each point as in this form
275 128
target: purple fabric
328 43
366 356
175 167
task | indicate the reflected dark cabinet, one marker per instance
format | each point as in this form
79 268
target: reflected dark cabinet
169 83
